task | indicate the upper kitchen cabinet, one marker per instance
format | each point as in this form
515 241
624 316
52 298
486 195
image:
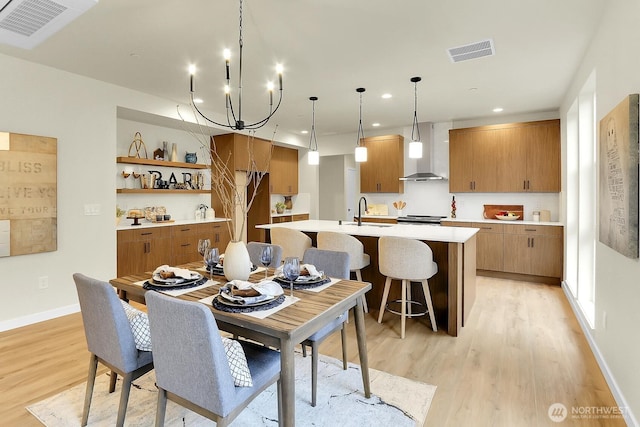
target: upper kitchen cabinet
384 167
283 175
244 152
510 158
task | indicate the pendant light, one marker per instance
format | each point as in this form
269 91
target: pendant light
415 146
361 151
313 156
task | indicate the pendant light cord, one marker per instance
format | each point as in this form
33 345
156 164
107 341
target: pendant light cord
360 130
313 143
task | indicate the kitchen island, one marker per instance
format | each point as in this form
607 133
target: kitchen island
454 250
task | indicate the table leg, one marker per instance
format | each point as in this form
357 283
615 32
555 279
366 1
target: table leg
362 345
287 381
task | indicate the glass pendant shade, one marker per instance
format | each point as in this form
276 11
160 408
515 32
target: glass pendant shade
415 150
361 154
313 158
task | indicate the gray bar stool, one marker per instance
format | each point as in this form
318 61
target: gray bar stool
406 260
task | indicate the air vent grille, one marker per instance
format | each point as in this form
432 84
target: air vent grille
472 51
30 16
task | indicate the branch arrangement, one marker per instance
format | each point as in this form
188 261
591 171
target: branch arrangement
236 197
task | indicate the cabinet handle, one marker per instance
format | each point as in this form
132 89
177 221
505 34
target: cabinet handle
528 242
147 247
486 228
185 229
217 239
531 229
184 245
528 185
532 241
146 234
524 184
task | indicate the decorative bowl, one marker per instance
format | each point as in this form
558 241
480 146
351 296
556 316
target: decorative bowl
508 218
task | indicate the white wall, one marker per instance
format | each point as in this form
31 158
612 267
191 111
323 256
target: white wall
617 291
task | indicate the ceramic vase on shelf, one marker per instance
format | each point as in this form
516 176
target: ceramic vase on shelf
174 152
288 203
237 264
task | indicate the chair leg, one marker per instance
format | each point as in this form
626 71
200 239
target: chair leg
427 297
91 379
364 300
124 399
112 381
409 308
343 333
385 295
162 407
304 350
314 372
403 309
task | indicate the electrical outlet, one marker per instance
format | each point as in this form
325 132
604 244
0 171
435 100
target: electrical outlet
92 209
43 282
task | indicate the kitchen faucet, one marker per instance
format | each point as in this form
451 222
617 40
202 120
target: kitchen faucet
359 211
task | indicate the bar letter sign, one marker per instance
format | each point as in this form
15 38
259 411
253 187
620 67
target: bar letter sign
28 194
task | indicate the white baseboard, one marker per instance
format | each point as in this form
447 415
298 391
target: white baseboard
38 317
629 417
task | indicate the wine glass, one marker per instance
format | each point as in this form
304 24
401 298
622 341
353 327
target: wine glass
291 270
203 244
266 257
211 259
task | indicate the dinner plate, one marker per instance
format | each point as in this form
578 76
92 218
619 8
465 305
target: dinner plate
175 281
508 218
230 303
282 279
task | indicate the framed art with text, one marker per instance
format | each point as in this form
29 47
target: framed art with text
618 183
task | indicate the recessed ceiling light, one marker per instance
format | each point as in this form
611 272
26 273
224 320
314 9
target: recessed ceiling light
386 95
375 125
134 55
473 88
498 110
304 132
198 100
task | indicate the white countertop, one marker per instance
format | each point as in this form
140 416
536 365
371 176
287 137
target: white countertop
125 224
412 231
498 221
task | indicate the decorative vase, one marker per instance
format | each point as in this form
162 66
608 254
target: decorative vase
174 152
165 151
237 264
191 158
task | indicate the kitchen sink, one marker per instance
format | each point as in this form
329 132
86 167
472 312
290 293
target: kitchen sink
368 224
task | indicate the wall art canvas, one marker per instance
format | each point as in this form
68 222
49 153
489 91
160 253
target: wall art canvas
618 183
28 194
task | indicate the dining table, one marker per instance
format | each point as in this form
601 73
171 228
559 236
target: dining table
304 314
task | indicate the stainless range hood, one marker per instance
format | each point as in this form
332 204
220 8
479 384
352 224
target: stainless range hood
423 166
423 176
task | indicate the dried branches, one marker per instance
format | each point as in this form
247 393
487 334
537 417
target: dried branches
236 189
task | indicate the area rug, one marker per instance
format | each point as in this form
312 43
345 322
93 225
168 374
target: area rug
395 401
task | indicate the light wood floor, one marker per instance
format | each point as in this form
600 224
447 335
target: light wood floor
521 351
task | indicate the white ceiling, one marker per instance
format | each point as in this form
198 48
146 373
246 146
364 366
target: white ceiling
331 47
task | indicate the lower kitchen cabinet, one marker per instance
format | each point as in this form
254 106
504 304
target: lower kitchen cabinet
289 218
534 250
489 246
143 250
148 248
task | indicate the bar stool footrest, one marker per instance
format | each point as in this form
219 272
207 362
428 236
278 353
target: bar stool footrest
413 303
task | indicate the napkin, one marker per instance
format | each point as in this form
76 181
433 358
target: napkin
177 272
314 274
267 290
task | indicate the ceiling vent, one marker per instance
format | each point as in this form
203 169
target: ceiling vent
27 23
472 51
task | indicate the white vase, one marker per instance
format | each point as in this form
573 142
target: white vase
237 264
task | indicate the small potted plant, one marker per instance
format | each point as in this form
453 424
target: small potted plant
119 214
280 207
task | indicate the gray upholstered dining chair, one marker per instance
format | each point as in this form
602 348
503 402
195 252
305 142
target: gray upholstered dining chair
334 264
192 368
110 341
293 242
255 250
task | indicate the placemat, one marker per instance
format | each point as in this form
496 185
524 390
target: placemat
260 314
301 285
201 284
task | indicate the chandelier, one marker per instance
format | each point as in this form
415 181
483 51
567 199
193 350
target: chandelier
234 114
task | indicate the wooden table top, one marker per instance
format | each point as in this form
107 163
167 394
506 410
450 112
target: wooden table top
295 322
